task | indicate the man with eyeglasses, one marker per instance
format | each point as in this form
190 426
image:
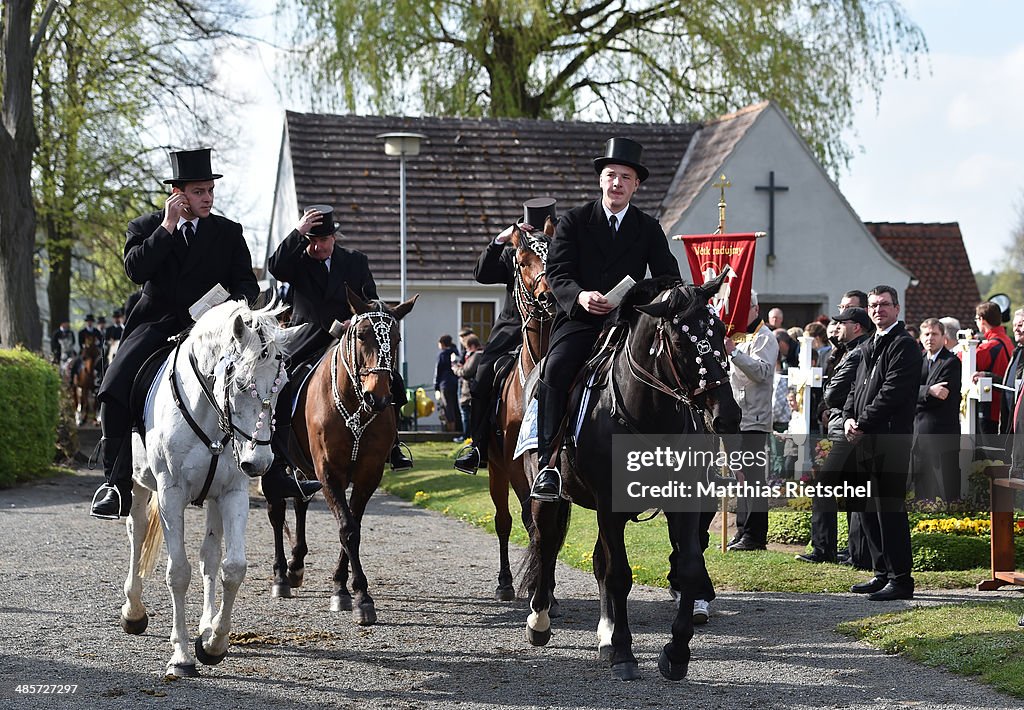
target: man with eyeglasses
879 422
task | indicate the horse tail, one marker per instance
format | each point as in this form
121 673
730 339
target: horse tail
531 567
154 537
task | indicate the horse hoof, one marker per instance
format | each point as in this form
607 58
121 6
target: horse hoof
205 658
538 638
364 615
136 626
671 670
555 610
341 602
604 653
295 579
281 591
505 594
628 670
183 671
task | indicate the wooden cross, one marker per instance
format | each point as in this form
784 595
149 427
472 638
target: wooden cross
772 188
721 185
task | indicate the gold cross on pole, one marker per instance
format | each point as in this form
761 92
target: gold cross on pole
721 185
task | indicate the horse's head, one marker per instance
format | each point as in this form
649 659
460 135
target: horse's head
533 296
371 348
685 326
242 352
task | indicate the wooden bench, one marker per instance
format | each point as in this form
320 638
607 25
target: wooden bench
1002 489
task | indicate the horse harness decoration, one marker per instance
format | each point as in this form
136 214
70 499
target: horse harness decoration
382 323
225 366
529 306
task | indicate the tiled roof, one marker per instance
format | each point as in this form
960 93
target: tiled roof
934 253
714 142
467 184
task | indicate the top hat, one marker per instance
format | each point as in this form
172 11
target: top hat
89 317
101 321
191 166
857 315
328 227
118 313
537 210
622 151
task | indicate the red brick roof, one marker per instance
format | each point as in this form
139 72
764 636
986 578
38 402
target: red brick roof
467 184
934 253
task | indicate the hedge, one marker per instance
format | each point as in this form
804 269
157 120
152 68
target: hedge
29 411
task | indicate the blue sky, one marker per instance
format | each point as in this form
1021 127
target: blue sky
944 147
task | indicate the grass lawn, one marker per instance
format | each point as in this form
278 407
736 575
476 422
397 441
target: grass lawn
981 639
434 484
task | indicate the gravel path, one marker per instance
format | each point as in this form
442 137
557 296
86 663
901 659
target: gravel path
441 641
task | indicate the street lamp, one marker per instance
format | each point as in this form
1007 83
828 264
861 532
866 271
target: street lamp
402 144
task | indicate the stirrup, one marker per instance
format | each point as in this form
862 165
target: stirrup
407 453
102 489
467 450
298 484
547 497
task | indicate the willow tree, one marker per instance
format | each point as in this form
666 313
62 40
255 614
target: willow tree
662 60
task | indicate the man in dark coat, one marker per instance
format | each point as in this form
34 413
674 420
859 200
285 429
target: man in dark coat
595 247
317 270
935 462
62 343
879 422
176 255
497 265
90 331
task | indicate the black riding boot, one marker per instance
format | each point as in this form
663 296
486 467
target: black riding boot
397 458
279 482
113 499
550 412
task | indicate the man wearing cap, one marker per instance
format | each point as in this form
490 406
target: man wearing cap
318 270
497 265
879 422
595 247
854 330
176 255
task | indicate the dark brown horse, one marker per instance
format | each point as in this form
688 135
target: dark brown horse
83 382
669 376
344 426
536 306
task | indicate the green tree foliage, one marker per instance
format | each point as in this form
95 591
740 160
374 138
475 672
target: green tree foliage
106 68
1010 279
623 60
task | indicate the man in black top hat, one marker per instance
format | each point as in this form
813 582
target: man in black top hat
318 270
595 246
176 255
112 335
62 343
90 331
497 265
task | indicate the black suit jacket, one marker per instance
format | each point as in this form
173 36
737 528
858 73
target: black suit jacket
173 276
586 256
883 399
1007 402
497 265
319 298
934 415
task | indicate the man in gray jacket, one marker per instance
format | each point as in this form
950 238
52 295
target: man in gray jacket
753 371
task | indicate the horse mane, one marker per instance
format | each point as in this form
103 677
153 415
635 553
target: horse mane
642 293
214 331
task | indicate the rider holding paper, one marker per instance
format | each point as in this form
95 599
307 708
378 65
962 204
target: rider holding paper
177 255
595 247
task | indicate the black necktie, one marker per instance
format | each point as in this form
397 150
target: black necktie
189 231
612 221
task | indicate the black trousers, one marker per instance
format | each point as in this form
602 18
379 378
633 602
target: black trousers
571 345
752 512
840 465
884 462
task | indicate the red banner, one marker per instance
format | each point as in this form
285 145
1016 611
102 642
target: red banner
709 255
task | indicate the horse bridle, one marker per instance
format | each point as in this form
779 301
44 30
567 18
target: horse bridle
224 418
529 306
680 391
382 322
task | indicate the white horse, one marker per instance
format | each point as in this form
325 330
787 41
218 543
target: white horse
215 394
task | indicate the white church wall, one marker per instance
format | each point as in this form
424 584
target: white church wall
822 249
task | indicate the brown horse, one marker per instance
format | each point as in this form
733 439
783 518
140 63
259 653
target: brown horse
536 306
344 427
83 382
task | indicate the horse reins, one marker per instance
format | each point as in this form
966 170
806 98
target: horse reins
224 420
529 306
382 322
